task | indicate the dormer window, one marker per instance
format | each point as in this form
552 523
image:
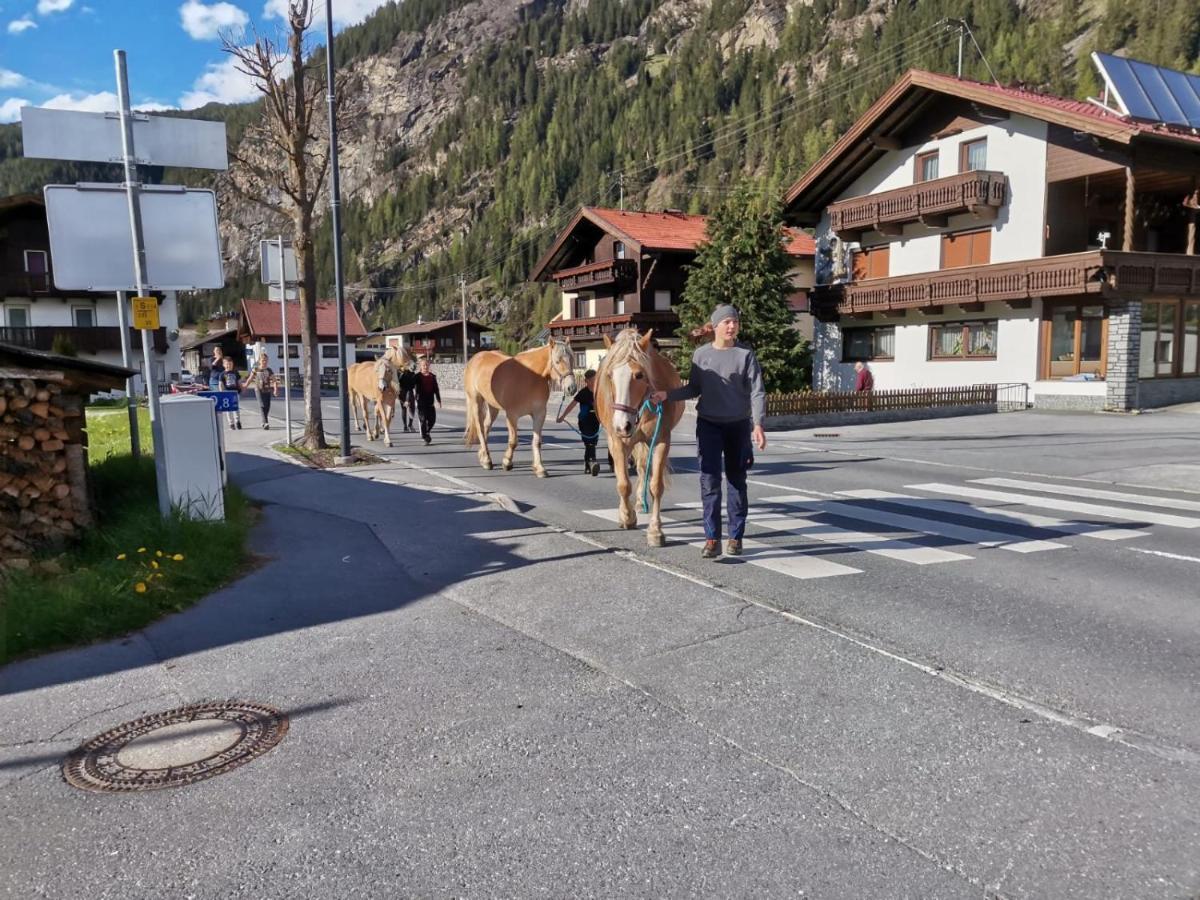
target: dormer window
926 167
618 250
972 155
37 267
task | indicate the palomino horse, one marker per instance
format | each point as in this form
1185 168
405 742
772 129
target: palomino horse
375 381
519 385
630 372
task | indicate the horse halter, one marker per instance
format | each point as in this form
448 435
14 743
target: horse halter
621 407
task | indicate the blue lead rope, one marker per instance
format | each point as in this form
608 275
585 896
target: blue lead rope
657 409
586 437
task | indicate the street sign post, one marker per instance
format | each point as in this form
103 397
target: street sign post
226 401
145 313
277 264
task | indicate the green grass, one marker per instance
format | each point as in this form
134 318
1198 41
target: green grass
108 432
86 593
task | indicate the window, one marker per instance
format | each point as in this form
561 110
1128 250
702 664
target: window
583 308
445 342
1170 339
1074 338
972 155
926 167
293 351
580 359
37 267
18 317
662 300
619 306
329 351
618 250
83 316
963 340
869 343
967 248
870 262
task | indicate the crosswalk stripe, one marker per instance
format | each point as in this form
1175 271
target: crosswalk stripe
785 560
983 537
879 544
1072 490
991 514
1092 509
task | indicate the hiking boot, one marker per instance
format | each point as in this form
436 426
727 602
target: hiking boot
733 547
712 549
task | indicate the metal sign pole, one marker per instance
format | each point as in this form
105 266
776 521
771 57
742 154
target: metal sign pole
287 374
462 283
135 440
335 204
139 268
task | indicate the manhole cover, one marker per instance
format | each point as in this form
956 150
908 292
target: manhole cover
176 747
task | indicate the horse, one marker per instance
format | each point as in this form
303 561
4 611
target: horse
629 373
520 385
375 381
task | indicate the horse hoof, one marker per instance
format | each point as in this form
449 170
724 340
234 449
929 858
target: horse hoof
540 473
507 465
655 539
487 464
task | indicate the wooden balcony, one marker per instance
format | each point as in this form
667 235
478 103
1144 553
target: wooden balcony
1110 273
615 273
664 323
96 339
979 193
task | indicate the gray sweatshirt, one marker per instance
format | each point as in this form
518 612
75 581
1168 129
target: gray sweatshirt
728 382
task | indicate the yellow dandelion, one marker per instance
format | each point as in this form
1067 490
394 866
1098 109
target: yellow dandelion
158 553
178 557
153 564
140 587
120 556
141 549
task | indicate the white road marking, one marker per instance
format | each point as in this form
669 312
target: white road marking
879 544
784 560
1091 509
992 513
965 533
1072 490
1164 553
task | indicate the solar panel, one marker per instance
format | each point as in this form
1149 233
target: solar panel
1151 93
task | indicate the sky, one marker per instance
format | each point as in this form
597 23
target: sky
59 53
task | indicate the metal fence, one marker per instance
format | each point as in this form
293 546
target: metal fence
1004 397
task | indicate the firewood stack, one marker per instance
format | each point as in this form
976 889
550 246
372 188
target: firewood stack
44 497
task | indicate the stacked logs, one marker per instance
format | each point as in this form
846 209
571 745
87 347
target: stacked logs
43 468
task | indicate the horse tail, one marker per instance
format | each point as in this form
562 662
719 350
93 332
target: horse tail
471 435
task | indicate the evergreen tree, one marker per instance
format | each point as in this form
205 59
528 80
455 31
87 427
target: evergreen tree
743 263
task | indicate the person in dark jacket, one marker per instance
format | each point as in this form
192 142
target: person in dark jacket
427 392
408 397
589 422
863 379
728 380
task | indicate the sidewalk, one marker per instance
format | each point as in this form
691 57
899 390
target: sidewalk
482 706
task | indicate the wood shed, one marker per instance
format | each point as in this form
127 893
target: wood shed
45 496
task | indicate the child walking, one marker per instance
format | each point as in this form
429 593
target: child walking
229 381
262 380
589 422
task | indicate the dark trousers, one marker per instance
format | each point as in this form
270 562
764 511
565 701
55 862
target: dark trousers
589 431
264 403
408 405
724 447
428 417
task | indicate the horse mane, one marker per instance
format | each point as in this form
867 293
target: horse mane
627 348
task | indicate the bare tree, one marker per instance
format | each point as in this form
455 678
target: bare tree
282 163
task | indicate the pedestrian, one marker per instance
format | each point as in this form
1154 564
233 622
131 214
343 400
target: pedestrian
262 380
728 380
863 379
589 422
427 391
229 381
216 369
408 397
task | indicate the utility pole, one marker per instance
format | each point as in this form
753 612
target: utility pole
335 202
135 439
132 193
962 36
621 182
462 283
283 327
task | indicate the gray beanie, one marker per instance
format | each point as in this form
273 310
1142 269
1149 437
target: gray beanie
722 312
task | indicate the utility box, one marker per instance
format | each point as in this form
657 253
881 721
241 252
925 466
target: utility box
193 457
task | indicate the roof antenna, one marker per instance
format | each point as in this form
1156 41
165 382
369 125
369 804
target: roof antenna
964 28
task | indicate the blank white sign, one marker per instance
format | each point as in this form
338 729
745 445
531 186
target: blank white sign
91 246
96 137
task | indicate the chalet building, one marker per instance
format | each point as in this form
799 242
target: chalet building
261 331
38 316
618 269
971 233
441 341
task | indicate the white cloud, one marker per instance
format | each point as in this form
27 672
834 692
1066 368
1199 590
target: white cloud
16 26
10 109
45 7
103 101
221 83
11 79
345 12
206 22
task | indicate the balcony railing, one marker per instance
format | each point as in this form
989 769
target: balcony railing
1112 273
96 339
615 272
930 202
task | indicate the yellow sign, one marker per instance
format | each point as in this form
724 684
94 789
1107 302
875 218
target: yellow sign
145 313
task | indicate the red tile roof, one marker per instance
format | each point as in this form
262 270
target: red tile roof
655 231
800 243
425 327
261 318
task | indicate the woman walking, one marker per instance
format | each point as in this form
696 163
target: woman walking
728 380
262 379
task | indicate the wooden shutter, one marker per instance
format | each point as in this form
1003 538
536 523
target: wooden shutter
981 247
858 265
878 262
956 251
